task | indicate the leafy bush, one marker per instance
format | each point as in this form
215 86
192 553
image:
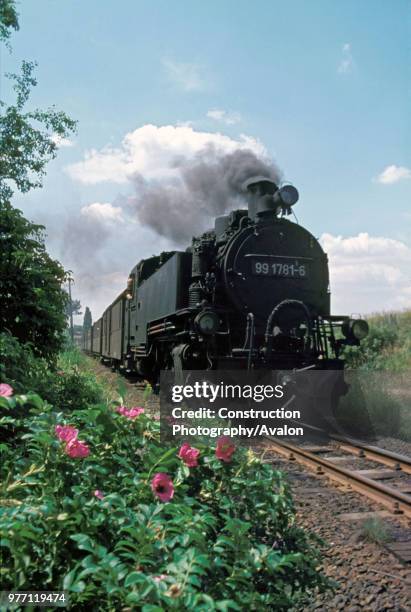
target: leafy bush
385 357
62 383
387 346
82 512
72 389
32 308
370 353
19 366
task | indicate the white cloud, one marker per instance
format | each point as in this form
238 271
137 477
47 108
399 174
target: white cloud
60 142
151 151
347 61
368 274
98 289
103 212
188 123
227 117
393 174
186 76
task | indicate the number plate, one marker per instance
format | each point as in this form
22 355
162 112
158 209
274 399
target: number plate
281 267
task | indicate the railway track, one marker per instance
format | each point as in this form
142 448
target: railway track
396 500
374 453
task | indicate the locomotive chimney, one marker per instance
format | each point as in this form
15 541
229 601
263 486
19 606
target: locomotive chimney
265 198
260 190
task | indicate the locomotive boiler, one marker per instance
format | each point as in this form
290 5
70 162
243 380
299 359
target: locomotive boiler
251 293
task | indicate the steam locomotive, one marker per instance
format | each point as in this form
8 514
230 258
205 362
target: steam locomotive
252 293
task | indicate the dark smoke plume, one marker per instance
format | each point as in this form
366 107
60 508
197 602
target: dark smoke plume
205 187
83 240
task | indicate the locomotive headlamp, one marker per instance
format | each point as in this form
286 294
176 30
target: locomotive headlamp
286 196
207 322
355 328
360 329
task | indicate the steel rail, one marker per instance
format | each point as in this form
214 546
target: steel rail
375 453
395 461
396 501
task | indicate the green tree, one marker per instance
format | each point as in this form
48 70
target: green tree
8 19
73 308
87 321
33 302
28 138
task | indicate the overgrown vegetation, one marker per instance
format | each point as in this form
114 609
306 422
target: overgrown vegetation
62 383
382 367
92 517
387 346
33 300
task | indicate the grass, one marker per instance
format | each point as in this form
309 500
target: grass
383 365
114 386
388 345
71 357
375 530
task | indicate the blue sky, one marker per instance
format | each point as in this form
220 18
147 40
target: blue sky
323 86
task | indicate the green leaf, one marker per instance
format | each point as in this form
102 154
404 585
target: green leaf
135 578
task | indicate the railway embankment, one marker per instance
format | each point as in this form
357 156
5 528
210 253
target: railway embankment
93 503
384 359
366 546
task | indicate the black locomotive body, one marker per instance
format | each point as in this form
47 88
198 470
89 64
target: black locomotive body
251 293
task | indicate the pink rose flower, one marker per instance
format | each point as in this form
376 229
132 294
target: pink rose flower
77 449
135 412
162 486
131 413
189 455
225 449
66 433
121 410
99 494
159 578
6 390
